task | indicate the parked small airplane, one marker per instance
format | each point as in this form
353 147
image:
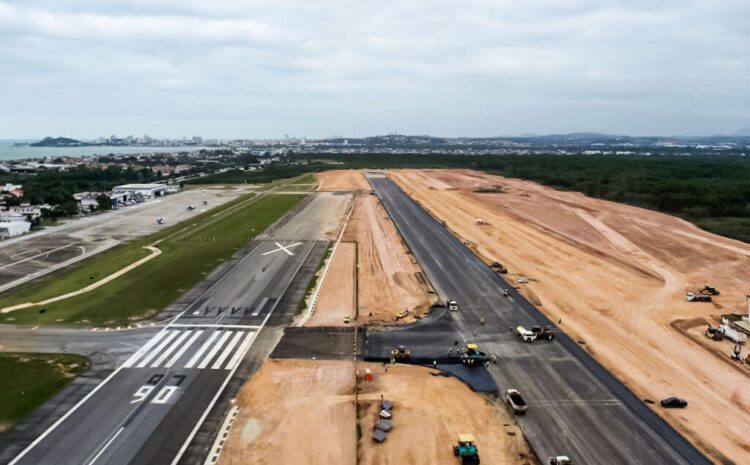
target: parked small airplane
160 220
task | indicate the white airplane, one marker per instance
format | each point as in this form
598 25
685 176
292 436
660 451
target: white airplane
160 220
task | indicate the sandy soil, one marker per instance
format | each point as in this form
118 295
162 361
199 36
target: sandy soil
389 278
429 412
302 412
617 277
295 412
338 294
342 180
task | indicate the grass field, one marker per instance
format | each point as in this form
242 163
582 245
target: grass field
190 250
28 380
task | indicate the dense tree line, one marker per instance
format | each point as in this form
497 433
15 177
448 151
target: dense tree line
58 187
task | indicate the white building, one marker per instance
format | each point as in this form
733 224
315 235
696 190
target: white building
13 228
147 191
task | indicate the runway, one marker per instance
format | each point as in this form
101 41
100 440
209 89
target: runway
576 408
167 393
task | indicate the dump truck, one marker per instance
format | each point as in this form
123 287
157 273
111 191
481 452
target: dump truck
543 333
697 297
709 290
466 450
471 355
402 314
400 353
525 334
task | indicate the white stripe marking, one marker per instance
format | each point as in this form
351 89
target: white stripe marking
159 348
227 351
96 457
171 348
241 351
142 351
260 306
183 349
203 348
214 350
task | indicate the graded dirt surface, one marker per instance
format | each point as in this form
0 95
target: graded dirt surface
389 278
338 294
303 412
342 180
295 412
429 412
616 277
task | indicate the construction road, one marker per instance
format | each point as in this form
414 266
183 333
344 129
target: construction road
576 408
154 406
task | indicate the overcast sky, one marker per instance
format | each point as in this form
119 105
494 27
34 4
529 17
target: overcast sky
315 68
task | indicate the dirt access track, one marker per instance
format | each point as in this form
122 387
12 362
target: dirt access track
388 278
616 276
303 412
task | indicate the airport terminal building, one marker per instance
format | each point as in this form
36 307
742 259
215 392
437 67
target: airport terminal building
145 191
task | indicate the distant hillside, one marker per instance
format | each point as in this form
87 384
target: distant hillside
59 142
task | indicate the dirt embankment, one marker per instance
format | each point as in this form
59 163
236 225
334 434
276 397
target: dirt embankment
617 276
303 412
342 180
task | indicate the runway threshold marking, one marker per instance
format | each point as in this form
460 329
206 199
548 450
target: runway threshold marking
70 412
214 350
213 325
284 248
200 352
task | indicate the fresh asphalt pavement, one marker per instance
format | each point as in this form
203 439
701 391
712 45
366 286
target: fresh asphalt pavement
576 408
149 409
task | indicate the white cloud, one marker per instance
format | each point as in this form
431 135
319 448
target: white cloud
254 68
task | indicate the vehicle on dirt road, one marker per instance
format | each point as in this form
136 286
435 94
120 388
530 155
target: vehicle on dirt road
452 305
466 450
515 402
693 297
673 402
347 318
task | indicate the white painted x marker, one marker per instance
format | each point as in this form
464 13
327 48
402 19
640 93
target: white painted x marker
285 249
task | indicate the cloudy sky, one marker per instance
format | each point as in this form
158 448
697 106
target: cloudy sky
246 68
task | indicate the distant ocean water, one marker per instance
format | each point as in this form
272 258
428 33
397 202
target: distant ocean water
8 152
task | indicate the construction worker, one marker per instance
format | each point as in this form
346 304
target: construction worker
481 321
450 350
434 364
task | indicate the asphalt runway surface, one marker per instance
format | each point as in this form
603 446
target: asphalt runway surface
152 407
27 257
576 408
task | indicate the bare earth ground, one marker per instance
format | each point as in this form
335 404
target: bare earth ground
339 297
617 276
295 412
342 180
303 412
389 279
429 412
